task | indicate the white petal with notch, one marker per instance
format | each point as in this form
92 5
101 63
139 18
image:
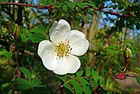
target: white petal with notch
78 43
46 50
67 65
59 31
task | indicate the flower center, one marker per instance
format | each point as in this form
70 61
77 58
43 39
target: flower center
63 49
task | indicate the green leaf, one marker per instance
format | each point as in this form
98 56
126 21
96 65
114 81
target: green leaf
90 4
71 5
87 89
84 84
41 27
30 36
138 79
137 70
68 87
43 1
76 86
5 53
22 81
36 83
83 81
108 83
22 87
26 72
38 37
4 85
63 78
81 5
80 73
88 72
101 79
96 80
72 76
94 73
65 8
1 33
36 30
58 4
109 92
84 57
22 84
23 37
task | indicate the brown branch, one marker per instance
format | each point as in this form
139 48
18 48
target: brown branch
28 5
109 12
50 6
127 60
117 14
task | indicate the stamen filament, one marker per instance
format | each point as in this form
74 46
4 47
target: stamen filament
63 49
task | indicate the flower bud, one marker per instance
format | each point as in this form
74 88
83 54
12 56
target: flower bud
127 53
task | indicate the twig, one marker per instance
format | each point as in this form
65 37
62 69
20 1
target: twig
28 5
71 80
50 6
110 12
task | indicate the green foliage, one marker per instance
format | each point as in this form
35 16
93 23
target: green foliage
81 5
77 87
138 76
115 25
138 79
5 53
71 5
23 37
26 72
65 8
85 87
4 88
79 73
88 72
36 83
23 84
83 83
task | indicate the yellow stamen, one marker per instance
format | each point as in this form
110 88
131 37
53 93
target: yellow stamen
63 49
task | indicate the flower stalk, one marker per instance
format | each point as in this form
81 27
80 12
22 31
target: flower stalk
127 56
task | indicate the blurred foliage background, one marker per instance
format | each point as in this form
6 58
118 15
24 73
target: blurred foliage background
111 26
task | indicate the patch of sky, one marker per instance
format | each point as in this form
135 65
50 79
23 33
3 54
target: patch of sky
40 12
108 19
43 10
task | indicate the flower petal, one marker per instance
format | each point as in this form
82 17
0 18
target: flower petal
59 31
78 43
78 33
67 65
46 50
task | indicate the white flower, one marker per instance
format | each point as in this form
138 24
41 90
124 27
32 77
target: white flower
59 54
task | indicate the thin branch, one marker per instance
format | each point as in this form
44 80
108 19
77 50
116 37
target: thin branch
91 29
85 25
74 79
28 5
50 6
110 12
90 36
